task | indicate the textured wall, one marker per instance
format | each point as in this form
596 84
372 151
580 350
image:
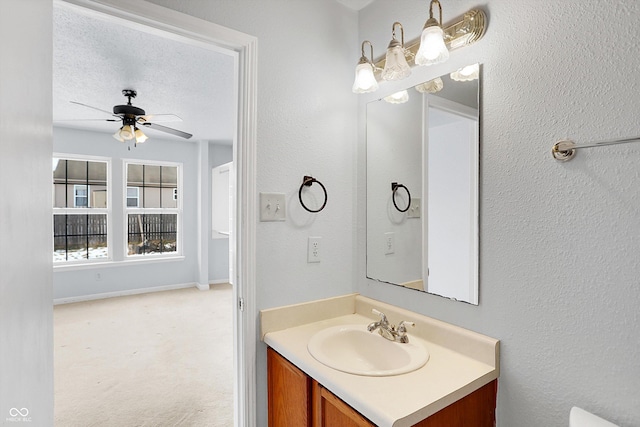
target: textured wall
559 241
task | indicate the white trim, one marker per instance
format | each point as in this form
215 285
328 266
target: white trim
81 298
219 282
244 47
95 263
202 287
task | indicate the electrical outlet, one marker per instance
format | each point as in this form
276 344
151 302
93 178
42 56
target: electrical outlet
389 243
414 208
98 277
313 249
272 207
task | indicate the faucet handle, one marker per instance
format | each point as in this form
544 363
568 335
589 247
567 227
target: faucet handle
383 317
402 325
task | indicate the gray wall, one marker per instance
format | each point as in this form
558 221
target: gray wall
559 241
26 335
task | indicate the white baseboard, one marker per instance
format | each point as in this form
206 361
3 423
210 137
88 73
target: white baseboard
91 297
202 287
218 281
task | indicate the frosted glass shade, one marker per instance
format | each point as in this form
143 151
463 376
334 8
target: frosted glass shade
466 74
432 47
140 136
398 97
396 66
365 81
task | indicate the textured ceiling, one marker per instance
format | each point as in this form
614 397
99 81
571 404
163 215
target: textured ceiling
95 58
355 4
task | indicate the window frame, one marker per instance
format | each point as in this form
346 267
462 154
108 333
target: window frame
127 210
82 210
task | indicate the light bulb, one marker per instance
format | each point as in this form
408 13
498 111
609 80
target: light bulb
395 66
398 97
365 81
432 47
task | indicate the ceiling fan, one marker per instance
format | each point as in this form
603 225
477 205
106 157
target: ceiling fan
132 116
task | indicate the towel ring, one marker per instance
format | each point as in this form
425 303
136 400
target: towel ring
394 188
306 182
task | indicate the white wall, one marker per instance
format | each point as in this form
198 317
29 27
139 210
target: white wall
219 154
558 241
307 51
26 332
79 282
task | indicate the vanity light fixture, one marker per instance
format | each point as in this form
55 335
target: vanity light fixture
398 97
365 80
396 66
432 46
466 74
432 86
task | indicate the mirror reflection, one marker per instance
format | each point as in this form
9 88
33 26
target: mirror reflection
422 186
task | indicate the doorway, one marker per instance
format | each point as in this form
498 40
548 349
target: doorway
174 25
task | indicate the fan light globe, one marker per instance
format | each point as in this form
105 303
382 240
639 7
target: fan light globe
126 132
432 48
398 97
117 136
140 136
365 81
396 66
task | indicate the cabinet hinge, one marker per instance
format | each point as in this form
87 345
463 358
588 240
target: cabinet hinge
241 304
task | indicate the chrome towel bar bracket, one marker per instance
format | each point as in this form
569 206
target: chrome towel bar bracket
565 149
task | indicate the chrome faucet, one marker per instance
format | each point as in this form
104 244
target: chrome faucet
389 331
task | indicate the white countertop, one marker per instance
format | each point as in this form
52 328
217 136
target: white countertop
460 361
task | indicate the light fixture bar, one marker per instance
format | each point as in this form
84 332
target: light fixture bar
464 32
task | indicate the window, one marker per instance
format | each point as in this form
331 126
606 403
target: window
133 197
80 211
80 196
152 222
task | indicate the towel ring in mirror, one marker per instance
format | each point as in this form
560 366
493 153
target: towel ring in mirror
306 182
394 188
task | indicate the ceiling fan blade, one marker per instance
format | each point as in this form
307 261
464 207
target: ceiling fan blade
159 118
89 120
168 130
94 108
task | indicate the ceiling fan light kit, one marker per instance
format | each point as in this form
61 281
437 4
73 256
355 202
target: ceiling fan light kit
131 116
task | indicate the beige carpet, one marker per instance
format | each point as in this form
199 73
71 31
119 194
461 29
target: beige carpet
158 359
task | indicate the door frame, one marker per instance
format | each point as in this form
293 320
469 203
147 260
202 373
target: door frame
173 24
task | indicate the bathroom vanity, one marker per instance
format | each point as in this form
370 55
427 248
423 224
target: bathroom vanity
455 387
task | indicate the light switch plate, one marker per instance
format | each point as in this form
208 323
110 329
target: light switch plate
272 207
414 208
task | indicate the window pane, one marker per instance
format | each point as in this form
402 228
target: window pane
134 175
151 197
169 176
152 234
79 237
152 175
76 171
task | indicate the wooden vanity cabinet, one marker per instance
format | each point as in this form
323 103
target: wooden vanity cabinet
297 400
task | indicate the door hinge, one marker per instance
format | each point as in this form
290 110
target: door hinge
241 304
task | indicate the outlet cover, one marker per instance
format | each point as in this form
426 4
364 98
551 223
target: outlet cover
313 249
389 243
272 207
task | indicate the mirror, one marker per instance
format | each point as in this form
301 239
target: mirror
422 188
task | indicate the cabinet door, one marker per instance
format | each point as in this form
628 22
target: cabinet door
477 409
289 393
330 411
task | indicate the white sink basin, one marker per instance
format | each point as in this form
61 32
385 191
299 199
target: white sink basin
353 349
